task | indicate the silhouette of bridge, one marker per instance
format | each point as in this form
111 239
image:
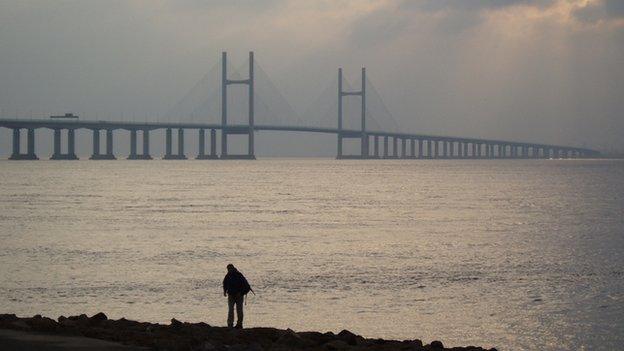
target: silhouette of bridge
385 144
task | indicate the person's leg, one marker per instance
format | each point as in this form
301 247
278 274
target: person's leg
240 300
230 320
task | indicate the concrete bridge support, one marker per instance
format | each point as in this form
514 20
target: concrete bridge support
436 151
376 146
96 155
201 154
71 145
420 148
16 152
133 146
452 149
403 148
412 148
395 147
445 149
385 147
169 155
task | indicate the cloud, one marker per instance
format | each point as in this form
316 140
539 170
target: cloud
467 5
449 17
600 10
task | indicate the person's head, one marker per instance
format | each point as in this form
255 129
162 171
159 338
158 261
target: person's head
231 268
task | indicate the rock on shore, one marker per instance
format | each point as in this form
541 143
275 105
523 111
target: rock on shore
180 336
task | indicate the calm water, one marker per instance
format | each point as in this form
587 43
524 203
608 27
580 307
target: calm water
512 254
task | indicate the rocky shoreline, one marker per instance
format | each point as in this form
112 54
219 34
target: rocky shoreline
180 336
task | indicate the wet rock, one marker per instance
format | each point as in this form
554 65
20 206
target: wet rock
176 324
81 320
416 342
349 337
336 345
98 318
45 324
8 318
436 345
292 340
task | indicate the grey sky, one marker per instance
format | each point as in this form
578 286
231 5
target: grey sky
543 71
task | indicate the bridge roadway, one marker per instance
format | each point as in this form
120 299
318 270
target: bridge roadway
429 146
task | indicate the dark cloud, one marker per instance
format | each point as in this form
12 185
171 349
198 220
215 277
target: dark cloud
456 17
468 5
600 11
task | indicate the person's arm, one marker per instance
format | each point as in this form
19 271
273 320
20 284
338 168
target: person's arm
225 285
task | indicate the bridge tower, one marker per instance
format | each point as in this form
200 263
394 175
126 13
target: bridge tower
363 136
227 130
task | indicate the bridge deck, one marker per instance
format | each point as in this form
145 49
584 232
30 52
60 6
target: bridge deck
112 125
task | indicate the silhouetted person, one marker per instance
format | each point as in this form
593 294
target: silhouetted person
235 286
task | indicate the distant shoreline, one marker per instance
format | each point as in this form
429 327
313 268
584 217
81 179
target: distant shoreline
180 336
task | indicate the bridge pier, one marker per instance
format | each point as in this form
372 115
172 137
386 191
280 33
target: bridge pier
364 152
436 149
420 148
403 148
201 154
96 155
168 147
412 148
71 153
385 146
146 152
376 146
133 146
395 147
444 149
16 152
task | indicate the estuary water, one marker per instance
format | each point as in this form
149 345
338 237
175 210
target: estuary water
513 254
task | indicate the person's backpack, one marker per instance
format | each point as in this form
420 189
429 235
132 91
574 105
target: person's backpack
245 288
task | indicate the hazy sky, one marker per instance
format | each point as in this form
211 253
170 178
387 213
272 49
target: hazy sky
543 71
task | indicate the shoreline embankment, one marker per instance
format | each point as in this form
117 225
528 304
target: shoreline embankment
181 336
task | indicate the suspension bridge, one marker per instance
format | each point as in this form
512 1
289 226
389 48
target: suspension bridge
377 133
